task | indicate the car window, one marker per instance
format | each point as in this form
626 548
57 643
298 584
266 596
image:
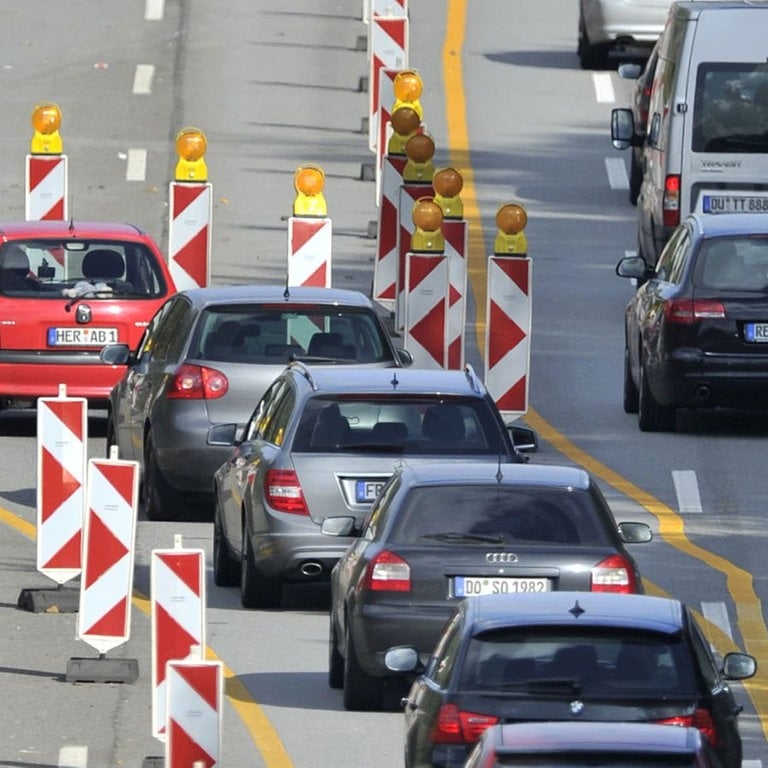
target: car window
702 652
442 662
170 335
405 424
372 525
733 263
262 415
674 257
602 662
278 416
513 514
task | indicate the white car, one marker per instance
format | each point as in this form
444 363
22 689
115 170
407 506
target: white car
618 25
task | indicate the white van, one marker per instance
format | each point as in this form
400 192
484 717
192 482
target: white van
706 143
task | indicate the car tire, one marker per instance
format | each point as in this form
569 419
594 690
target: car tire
335 659
631 393
590 56
226 571
635 179
652 417
362 692
111 434
256 591
161 502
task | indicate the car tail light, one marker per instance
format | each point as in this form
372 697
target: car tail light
700 719
453 726
614 574
671 201
283 492
196 382
688 311
388 573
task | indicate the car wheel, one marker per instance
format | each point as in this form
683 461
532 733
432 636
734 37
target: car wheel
362 692
110 434
590 56
226 571
631 393
161 502
635 179
256 591
335 659
652 417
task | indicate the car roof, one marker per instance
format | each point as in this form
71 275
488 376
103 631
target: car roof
71 229
329 379
237 294
582 609
493 473
721 224
594 736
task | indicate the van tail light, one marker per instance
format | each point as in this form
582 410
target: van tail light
283 492
453 726
671 201
387 572
700 719
689 311
196 382
614 574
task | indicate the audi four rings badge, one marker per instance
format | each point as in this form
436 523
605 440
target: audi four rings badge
500 557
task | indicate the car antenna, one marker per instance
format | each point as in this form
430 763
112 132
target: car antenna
499 475
287 291
394 381
577 610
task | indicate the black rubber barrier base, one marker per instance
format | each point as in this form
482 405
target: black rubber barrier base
153 762
61 600
102 670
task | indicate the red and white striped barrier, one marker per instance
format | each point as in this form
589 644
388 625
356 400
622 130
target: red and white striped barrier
194 706
507 334
383 117
388 7
309 251
46 188
62 435
108 553
408 195
189 233
177 588
388 36
426 308
385 266
455 233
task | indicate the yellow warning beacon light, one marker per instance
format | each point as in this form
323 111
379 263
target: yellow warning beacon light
448 183
511 219
46 119
408 87
427 217
190 146
309 182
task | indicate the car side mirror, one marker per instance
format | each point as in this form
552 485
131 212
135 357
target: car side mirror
738 666
403 659
622 128
222 434
632 266
338 526
524 439
115 354
629 71
404 356
635 533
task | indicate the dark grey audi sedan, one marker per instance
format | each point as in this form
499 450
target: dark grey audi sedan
441 532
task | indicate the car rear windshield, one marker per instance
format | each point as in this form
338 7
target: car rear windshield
511 514
95 269
598 759
274 335
593 662
733 263
406 424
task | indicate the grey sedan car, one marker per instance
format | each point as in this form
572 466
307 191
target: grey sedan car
322 443
206 358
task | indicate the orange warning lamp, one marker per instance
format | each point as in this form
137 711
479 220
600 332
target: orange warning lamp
420 149
408 88
511 219
309 182
428 237
190 146
448 183
46 119
405 121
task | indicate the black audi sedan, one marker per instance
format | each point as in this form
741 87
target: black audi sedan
696 329
440 532
567 656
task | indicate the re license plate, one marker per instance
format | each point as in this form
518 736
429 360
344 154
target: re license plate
757 332
464 586
734 204
82 337
366 491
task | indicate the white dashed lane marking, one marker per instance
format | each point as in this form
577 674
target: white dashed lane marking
154 10
603 84
136 169
687 489
617 173
142 79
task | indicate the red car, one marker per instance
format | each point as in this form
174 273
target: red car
66 290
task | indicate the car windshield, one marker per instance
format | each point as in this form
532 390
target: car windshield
733 263
441 515
404 424
93 269
593 662
275 335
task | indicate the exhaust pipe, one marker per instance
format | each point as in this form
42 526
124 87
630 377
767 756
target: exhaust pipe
703 393
311 568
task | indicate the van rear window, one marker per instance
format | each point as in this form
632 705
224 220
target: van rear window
731 108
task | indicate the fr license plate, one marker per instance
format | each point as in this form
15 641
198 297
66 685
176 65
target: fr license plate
464 586
734 204
367 490
81 337
757 332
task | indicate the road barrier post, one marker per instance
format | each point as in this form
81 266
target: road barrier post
46 167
